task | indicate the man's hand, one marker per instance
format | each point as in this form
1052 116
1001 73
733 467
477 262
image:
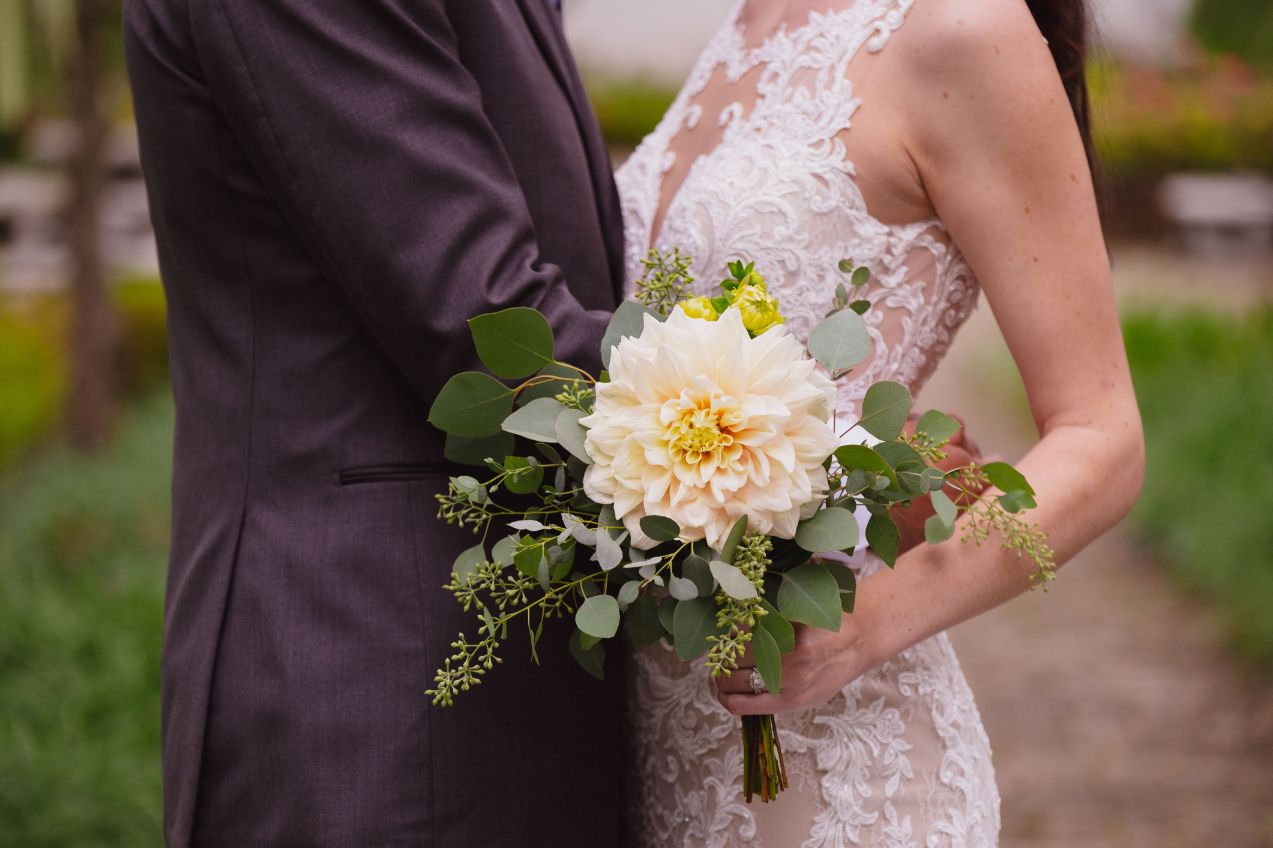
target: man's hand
960 452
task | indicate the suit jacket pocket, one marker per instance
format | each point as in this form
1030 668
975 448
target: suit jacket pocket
404 472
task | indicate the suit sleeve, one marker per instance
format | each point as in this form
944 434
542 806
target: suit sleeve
366 125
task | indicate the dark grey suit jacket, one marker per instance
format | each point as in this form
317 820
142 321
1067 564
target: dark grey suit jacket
337 185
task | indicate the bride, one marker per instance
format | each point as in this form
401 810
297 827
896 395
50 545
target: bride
942 144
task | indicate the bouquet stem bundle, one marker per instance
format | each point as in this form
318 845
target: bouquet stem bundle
764 772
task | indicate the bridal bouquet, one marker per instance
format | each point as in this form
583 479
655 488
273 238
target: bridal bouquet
687 491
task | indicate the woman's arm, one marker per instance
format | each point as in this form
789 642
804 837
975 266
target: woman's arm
997 149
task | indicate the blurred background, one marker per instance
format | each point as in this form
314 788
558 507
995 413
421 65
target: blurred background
1130 706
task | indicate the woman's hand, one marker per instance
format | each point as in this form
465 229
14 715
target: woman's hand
822 664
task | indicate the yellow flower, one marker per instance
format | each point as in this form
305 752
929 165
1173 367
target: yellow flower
700 307
758 307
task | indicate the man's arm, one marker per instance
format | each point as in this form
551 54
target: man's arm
369 131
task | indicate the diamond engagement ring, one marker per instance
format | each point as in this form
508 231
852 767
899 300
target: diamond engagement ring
757 682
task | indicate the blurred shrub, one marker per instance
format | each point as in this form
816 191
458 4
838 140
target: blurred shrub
1241 27
32 375
1206 392
1214 118
628 109
82 550
33 359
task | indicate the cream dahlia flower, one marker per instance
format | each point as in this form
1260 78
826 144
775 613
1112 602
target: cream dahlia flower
702 423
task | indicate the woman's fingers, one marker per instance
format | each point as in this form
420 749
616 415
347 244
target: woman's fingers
738 682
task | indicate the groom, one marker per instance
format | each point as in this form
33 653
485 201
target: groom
336 187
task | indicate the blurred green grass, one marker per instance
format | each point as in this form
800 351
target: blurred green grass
82 551
1205 385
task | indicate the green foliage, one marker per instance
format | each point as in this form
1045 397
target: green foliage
32 377
33 365
513 343
1241 27
1148 122
1206 394
628 110
666 281
830 529
840 342
810 595
884 409
82 551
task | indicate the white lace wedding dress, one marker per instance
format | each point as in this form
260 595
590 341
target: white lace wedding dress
899 758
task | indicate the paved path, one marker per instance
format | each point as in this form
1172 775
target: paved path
1118 719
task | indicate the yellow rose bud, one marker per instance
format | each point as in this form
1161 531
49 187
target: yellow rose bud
700 307
752 280
759 308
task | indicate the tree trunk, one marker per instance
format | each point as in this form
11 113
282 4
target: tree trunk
92 402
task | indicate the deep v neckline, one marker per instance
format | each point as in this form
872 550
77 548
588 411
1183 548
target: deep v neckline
738 59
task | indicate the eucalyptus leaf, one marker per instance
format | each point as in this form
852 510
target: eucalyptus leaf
884 409
830 529
840 342
884 539
642 620
938 426
695 568
779 628
593 659
682 589
764 649
667 612
936 530
944 507
598 616
628 322
810 595
471 405
609 553
469 561
536 420
504 551
860 457
692 623
628 592
1016 501
530 525
736 533
571 434
465 451
861 276
526 476
1006 478
848 583
732 581
513 343
660 528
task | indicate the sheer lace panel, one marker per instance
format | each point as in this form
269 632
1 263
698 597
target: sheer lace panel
753 161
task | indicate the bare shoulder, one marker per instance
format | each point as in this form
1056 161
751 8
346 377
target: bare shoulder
977 78
982 45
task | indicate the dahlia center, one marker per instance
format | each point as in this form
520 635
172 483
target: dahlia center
699 432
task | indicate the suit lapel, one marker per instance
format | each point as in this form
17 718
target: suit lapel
546 29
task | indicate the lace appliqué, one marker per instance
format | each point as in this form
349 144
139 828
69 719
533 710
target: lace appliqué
900 757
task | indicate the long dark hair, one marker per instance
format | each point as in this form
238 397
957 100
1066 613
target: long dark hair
1064 23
